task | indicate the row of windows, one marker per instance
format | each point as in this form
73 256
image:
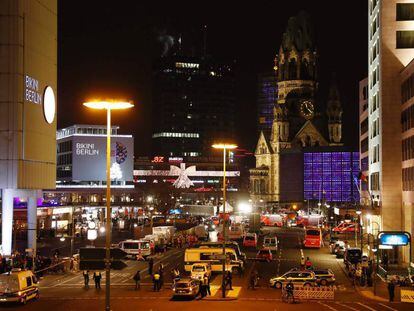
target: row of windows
375 128
405 11
83 130
64 159
169 134
407 119
408 148
374 52
364 145
407 89
375 103
364 164
364 126
373 5
374 77
408 179
65 146
374 181
375 156
374 27
63 173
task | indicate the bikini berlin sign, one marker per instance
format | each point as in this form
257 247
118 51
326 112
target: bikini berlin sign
89 157
32 91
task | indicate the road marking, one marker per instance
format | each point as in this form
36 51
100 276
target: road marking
365 306
349 307
388 307
70 279
234 292
214 289
329 307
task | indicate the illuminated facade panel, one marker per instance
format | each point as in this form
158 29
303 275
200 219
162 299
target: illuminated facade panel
330 176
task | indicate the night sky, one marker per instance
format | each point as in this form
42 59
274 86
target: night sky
106 49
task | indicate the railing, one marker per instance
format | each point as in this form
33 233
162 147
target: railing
382 273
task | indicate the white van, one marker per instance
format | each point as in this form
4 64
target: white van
270 243
236 232
18 286
136 247
212 256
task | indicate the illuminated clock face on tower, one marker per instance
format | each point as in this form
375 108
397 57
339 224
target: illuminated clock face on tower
49 105
307 110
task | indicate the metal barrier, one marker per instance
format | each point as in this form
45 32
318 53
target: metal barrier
382 273
314 293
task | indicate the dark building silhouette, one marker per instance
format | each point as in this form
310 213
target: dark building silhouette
193 105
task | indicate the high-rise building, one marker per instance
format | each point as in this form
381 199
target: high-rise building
28 84
193 105
266 100
363 141
391 49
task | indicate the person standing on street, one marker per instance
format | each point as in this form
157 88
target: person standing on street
391 289
137 279
150 265
229 280
97 276
86 278
161 274
206 281
156 281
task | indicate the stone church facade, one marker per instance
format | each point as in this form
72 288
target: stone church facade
299 123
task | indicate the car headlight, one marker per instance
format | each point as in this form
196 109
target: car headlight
190 290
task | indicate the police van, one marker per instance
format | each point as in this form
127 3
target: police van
18 286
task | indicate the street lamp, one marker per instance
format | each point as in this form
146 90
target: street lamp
108 106
359 212
225 147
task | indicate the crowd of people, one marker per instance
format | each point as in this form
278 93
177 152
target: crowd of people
25 261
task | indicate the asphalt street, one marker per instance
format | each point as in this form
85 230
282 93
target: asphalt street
67 292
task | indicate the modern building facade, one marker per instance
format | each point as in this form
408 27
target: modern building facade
391 49
81 156
266 99
193 105
363 142
298 121
28 88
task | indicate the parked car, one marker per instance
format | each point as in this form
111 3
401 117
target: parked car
303 278
332 242
250 240
271 243
340 251
324 277
18 286
186 288
264 254
198 270
352 256
333 247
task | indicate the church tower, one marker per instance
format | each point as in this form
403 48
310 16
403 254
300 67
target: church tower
295 63
334 112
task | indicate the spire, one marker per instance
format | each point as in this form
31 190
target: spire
334 106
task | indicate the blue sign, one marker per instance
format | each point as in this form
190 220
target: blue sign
394 239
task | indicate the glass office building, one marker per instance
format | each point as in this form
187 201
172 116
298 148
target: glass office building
330 176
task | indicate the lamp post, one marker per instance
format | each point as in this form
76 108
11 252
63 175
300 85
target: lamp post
375 250
108 106
225 147
358 212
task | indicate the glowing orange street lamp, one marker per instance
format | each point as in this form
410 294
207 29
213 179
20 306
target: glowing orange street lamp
108 105
225 147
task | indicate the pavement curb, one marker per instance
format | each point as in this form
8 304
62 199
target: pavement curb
220 299
363 292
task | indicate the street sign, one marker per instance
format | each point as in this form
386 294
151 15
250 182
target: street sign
94 258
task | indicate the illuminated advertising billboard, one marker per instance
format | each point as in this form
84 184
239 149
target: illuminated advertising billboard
394 238
89 158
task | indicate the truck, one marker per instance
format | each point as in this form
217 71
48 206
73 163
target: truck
201 232
166 232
